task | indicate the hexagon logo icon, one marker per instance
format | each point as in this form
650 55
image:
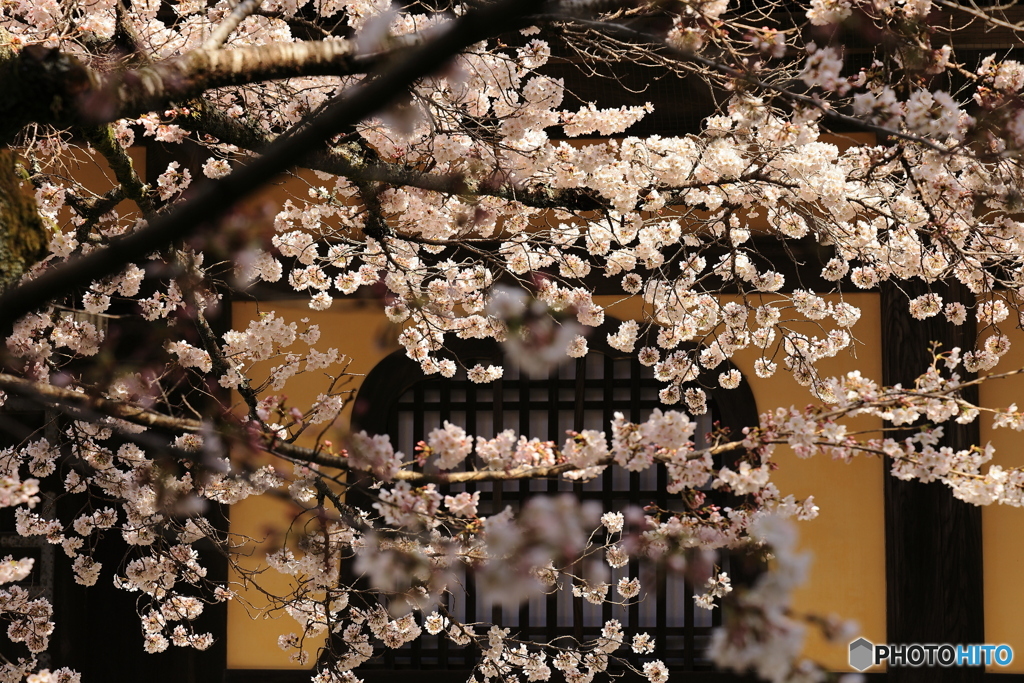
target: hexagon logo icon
861 654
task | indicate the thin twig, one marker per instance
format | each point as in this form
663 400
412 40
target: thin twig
230 23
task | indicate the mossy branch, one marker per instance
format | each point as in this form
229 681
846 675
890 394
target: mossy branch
103 140
23 236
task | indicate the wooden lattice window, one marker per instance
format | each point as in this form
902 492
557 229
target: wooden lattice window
398 400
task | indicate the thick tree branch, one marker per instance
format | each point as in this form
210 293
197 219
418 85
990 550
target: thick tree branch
126 37
94 207
153 87
47 86
47 394
52 396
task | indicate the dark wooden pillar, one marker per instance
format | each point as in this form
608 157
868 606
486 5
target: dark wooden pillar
932 541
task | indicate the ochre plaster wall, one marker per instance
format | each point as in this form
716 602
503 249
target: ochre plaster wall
359 330
847 541
1002 527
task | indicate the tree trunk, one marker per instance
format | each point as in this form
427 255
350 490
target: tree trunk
23 238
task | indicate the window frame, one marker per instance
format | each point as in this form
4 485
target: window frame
376 409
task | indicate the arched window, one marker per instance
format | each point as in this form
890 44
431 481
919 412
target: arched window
397 399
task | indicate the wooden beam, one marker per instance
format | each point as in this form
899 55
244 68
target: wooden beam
932 541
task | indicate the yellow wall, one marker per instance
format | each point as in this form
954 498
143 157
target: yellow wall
357 329
1001 526
847 539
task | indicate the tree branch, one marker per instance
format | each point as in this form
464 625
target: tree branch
103 140
350 161
355 166
153 87
214 198
50 395
92 208
654 42
220 35
47 86
220 363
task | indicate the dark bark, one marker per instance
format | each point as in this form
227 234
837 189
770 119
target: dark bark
932 541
